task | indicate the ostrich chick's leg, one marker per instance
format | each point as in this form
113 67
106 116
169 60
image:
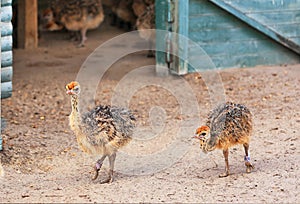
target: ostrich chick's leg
248 165
110 178
226 173
98 167
83 37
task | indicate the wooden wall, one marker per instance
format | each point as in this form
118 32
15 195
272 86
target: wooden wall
231 42
232 33
280 20
6 49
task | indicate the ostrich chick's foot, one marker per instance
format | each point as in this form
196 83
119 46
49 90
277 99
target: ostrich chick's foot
249 167
110 178
80 45
225 174
96 170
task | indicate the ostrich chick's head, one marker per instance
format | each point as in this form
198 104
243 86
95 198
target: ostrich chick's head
203 134
73 88
48 21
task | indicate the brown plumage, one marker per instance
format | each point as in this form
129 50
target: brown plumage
145 22
124 11
139 7
102 131
228 124
74 15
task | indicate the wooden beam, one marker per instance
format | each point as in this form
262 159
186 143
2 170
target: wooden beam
27 24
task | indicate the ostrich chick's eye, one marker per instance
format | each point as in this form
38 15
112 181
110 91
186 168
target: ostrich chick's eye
203 133
76 89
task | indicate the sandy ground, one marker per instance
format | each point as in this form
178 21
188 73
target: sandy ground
43 163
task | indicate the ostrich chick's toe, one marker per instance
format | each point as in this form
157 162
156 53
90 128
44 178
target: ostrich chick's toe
249 167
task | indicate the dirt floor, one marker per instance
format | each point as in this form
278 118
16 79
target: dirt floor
43 163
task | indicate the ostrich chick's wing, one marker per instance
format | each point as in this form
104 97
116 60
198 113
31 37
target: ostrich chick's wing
105 124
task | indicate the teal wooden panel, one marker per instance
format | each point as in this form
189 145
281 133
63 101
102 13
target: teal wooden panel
213 21
223 20
0 136
230 42
6 13
6 28
243 60
276 17
6 89
6 43
264 5
6 74
237 8
6 59
247 60
198 7
161 24
289 30
238 47
6 50
6 3
181 66
296 40
219 35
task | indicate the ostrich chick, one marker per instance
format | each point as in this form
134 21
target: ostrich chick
144 23
102 131
74 15
229 124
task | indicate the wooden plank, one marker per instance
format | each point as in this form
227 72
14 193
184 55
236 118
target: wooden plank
214 21
6 28
263 5
27 24
289 30
6 59
275 17
219 36
6 89
279 37
251 47
182 27
275 58
203 7
160 24
6 3
223 20
296 40
6 74
0 135
6 43
6 13
243 60
235 48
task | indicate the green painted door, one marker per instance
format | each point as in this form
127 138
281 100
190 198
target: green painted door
221 37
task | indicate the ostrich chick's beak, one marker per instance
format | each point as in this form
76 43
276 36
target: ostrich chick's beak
196 136
69 92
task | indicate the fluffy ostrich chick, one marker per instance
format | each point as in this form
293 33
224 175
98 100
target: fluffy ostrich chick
228 124
102 131
74 15
145 22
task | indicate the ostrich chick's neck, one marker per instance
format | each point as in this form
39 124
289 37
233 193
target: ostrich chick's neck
75 118
76 126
